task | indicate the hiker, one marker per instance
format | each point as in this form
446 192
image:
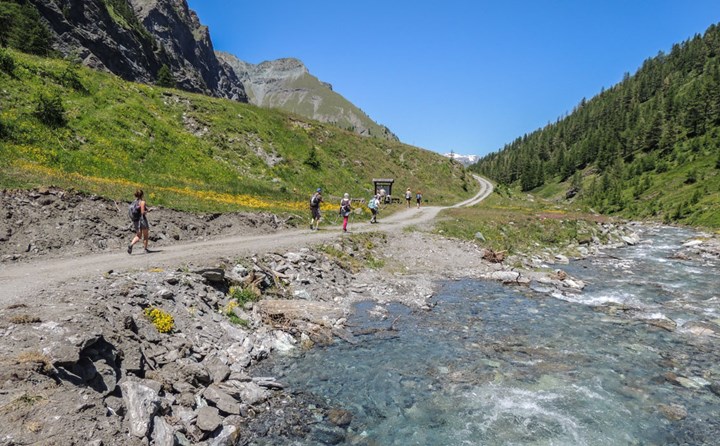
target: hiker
138 215
374 204
408 196
315 201
345 209
418 197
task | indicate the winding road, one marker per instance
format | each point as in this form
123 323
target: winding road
18 282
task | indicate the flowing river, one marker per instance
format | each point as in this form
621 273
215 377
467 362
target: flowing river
632 360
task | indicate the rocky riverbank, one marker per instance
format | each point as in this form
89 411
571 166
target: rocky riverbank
169 357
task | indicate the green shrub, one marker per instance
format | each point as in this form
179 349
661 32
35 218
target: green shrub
71 79
243 295
312 159
50 110
234 318
7 63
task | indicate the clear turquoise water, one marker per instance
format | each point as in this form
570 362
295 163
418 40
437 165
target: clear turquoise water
499 365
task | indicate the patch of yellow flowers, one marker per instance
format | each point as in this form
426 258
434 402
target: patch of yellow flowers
242 200
163 321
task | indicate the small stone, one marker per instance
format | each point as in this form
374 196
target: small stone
673 412
340 417
208 419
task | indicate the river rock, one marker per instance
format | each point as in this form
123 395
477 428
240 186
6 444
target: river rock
340 417
673 412
664 323
699 328
323 434
252 393
142 403
715 388
506 277
631 239
692 243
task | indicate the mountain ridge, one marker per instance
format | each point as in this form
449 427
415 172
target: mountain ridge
287 84
163 42
134 39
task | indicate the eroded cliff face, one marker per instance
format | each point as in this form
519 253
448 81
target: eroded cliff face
134 38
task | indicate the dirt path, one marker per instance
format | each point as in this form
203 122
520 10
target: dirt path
22 281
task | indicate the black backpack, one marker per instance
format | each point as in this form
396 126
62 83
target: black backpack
134 210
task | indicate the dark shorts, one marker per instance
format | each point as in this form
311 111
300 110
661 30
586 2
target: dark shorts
140 224
315 213
374 211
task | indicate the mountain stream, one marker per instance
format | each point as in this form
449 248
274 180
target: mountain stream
632 360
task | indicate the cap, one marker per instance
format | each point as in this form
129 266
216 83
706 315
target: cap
347 195
319 189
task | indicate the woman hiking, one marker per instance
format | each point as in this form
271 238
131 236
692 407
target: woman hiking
138 211
315 201
345 209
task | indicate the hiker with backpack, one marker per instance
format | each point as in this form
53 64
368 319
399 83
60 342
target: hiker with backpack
374 205
315 201
418 198
345 209
408 196
137 213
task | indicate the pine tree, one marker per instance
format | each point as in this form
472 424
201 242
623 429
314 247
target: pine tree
165 77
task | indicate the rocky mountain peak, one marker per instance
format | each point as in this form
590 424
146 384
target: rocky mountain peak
287 84
135 38
287 67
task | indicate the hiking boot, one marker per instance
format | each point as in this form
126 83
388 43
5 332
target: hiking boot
129 249
147 251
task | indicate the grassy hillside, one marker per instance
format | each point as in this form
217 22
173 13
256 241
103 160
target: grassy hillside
333 107
70 126
649 147
514 223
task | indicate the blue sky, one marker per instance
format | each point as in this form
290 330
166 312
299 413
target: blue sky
466 76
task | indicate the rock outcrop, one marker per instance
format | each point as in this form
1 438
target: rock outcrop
135 38
288 85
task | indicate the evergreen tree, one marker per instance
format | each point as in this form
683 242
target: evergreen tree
312 160
165 77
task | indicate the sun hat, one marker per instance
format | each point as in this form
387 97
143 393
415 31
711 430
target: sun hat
347 195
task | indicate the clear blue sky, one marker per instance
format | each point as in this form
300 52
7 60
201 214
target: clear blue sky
467 76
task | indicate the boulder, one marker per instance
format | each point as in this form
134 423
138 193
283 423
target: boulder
142 403
208 419
229 434
163 434
222 400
